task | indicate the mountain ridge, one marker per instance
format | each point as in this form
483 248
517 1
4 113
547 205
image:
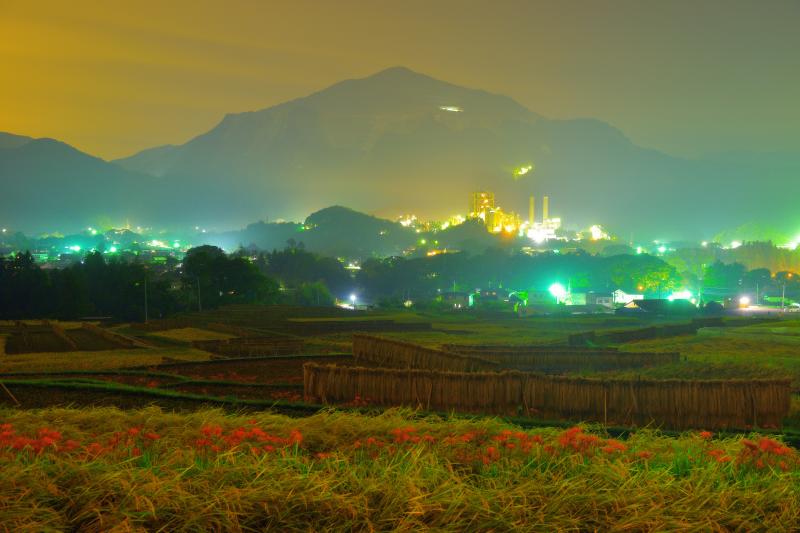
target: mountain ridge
399 141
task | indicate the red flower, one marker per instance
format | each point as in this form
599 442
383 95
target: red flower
295 437
211 431
614 446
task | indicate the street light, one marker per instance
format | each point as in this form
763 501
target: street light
353 300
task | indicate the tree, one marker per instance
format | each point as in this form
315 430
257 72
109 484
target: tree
313 293
723 276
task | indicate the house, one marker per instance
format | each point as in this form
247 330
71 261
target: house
603 299
457 299
620 297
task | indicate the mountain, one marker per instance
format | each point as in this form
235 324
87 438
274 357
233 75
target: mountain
396 142
48 185
400 141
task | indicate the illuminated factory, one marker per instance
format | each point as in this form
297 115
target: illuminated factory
546 229
482 205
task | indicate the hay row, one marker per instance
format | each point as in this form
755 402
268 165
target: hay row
676 404
521 348
557 361
397 354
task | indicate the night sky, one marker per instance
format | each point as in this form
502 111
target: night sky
688 78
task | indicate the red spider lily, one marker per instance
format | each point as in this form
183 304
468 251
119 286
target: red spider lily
772 446
766 452
644 454
492 453
211 431
94 449
295 437
575 439
614 446
152 436
705 435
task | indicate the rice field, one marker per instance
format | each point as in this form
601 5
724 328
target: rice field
103 468
95 360
192 334
106 469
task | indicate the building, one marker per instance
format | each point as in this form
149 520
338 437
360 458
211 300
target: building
621 297
480 203
604 299
547 228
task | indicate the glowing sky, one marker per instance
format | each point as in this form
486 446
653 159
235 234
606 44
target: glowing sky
685 77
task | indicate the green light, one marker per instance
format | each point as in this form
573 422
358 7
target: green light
662 249
113 250
75 248
558 291
522 170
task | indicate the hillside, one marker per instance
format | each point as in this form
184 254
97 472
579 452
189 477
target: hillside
48 185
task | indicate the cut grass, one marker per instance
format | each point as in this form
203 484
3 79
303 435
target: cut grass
341 471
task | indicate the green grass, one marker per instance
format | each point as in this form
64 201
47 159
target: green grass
148 469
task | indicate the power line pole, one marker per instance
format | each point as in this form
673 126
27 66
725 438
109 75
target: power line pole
783 298
145 297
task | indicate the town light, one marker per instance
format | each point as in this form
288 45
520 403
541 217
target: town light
353 299
744 301
558 291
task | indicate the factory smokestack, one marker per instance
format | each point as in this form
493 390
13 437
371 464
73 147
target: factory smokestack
545 209
532 210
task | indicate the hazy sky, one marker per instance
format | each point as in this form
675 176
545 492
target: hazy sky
686 77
